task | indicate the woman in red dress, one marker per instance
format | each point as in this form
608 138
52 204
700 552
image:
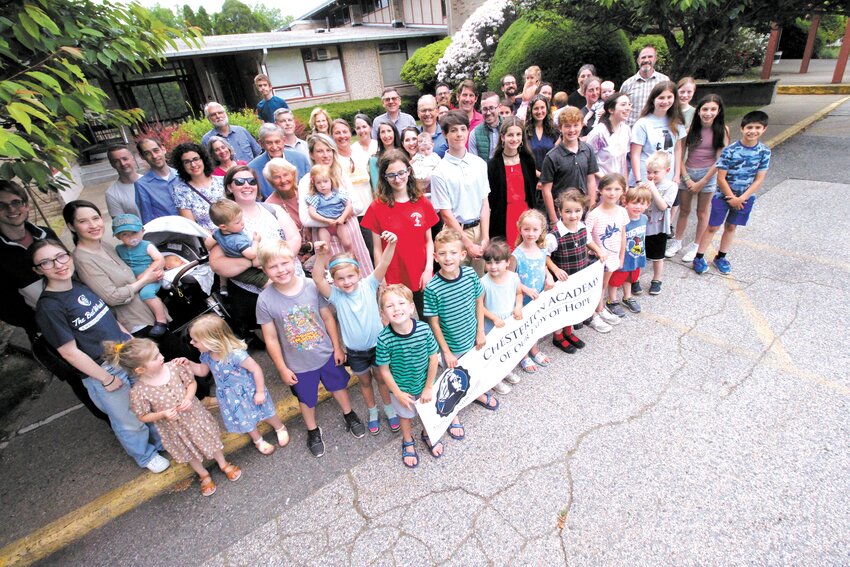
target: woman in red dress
512 180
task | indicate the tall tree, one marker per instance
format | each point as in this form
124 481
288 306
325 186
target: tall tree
237 17
706 24
188 16
272 16
164 15
49 52
203 21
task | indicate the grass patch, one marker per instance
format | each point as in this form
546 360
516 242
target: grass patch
733 112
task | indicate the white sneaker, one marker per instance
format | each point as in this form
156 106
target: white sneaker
512 378
673 246
609 317
598 325
502 388
690 253
158 464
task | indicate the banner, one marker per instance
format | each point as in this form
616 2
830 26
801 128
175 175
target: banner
568 303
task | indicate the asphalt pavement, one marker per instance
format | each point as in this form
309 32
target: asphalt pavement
711 429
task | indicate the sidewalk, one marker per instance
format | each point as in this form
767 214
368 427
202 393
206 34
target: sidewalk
699 400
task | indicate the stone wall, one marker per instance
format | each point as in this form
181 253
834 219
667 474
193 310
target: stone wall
459 11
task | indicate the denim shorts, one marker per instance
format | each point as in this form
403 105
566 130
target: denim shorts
360 360
697 174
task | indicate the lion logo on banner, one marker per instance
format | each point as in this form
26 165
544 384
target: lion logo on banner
454 383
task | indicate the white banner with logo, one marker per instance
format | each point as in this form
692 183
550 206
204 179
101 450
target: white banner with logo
568 303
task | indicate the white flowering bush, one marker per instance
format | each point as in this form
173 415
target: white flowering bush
472 48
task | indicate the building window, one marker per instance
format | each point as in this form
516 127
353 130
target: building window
324 70
393 55
369 6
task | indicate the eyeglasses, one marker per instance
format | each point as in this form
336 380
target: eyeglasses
391 98
400 174
485 109
192 161
427 110
49 263
13 204
240 181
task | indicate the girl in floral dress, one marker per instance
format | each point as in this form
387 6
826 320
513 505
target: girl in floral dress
164 394
240 385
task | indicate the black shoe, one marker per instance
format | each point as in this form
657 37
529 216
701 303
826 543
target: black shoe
354 425
315 443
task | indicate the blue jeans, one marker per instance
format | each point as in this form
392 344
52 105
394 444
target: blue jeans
140 440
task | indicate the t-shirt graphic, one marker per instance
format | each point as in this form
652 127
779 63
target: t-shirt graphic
635 244
611 231
301 328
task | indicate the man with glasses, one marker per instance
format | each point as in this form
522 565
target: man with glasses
443 94
245 147
392 103
510 89
485 136
426 107
21 287
154 189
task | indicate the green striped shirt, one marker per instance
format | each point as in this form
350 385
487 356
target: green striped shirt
453 301
407 355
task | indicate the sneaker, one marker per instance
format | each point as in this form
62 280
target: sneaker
512 378
700 265
654 287
689 253
637 289
632 304
615 308
598 325
315 442
158 330
502 388
158 464
723 265
609 317
673 246
354 425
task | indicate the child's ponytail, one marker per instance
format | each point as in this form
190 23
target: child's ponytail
129 355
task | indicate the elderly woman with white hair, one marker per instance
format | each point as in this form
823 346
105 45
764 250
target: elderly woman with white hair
223 156
323 151
271 138
283 177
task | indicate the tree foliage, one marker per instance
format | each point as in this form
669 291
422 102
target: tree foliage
238 17
51 51
421 68
705 24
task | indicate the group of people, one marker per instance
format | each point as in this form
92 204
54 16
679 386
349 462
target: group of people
459 221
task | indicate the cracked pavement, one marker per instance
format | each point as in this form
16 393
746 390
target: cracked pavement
712 429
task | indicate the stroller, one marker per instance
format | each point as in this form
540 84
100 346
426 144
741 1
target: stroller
189 286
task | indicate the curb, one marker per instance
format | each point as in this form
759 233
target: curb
804 123
814 89
63 531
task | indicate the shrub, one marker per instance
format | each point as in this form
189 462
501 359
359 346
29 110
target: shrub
421 68
792 44
744 52
168 136
195 128
560 47
371 107
660 45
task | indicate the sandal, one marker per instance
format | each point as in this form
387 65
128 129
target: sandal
405 453
395 424
486 404
541 359
455 436
282 436
232 472
575 341
563 344
528 365
374 426
264 446
207 486
431 448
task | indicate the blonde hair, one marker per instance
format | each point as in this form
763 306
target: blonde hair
129 355
399 289
538 216
316 112
216 335
447 236
535 73
658 161
342 265
639 194
224 211
275 249
321 171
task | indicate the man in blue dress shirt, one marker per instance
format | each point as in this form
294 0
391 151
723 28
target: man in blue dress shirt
154 188
245 147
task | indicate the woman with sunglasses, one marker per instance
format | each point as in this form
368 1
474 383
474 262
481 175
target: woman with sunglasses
270 222
75 321
197 188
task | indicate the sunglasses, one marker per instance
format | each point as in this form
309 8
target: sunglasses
241 181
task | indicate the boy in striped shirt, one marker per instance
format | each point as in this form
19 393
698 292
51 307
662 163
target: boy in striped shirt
454 302
406 356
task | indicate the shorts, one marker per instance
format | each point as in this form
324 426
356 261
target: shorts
360 361
721 212
656 245
333 377
620 277
402 410
149 291
696 174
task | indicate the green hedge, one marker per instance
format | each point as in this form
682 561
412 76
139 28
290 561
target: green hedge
660 45
421 68
560 48
371 107
195 128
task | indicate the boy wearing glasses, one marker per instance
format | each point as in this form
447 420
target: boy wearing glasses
232 238
392 103
485 137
